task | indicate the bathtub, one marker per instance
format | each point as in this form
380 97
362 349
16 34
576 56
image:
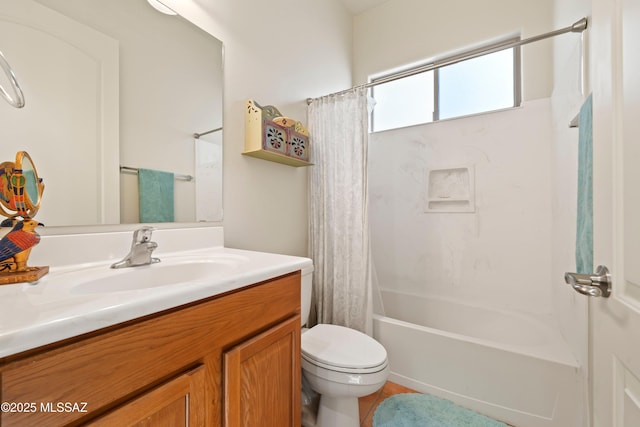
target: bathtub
506 365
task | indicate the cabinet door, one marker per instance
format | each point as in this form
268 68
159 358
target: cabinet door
176 403
262 379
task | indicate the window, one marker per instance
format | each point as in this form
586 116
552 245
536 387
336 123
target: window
404 102
484 83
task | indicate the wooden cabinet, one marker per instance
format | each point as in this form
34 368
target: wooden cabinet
231 360
177 403
260 379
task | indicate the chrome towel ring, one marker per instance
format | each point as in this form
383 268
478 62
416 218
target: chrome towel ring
18 99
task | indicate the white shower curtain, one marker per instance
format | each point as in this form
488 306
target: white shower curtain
338 209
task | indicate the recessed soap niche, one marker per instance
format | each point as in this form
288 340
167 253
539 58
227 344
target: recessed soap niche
451 190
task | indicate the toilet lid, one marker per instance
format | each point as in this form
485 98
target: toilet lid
342 347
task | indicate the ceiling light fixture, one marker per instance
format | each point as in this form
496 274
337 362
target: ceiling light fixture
161 7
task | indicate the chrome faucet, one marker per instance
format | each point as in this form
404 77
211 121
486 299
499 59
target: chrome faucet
141 249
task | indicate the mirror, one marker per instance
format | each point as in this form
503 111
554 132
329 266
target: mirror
20 189
33 185
112 87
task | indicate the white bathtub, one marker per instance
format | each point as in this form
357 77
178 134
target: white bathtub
502 364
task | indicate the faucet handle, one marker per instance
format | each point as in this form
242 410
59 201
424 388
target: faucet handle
143 234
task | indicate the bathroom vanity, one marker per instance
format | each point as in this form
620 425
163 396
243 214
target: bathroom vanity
164 356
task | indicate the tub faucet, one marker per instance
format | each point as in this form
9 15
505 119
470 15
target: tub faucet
141 249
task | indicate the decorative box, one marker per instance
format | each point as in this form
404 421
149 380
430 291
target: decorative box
271 136
274 137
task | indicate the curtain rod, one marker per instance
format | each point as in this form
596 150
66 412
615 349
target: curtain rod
181 177
198 135
577 27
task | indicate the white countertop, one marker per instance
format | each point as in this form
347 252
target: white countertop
32 315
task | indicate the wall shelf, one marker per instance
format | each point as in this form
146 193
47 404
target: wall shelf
451 190
273 137
273 157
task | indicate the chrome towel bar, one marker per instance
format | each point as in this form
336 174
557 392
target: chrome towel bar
18 100
181 177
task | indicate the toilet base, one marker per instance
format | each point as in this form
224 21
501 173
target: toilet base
338 411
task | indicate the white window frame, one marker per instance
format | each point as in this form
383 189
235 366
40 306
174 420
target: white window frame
453 59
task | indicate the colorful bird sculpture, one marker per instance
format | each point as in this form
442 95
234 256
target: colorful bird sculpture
16 245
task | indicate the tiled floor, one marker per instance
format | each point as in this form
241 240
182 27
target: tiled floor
369 403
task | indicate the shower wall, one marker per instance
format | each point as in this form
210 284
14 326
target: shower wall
499 255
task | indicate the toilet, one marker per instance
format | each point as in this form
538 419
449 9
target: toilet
341 364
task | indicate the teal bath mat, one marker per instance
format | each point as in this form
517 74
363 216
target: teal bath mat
421 410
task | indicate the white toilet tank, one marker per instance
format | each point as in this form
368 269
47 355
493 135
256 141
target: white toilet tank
305 295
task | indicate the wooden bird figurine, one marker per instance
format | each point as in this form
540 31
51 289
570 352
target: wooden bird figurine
16 245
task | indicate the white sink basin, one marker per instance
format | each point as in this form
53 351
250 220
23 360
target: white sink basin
170 271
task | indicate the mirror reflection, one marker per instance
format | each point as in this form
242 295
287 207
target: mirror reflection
32 183
112 88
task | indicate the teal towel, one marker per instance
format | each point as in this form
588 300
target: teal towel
584 232
155 189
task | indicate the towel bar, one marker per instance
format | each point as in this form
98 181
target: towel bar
127 169
198 135
18 100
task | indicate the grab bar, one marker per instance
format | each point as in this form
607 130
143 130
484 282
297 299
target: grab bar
18 102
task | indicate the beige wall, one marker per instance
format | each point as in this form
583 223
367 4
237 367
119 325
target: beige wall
284 51
403 32
278 52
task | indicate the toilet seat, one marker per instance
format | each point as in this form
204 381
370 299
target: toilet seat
340 349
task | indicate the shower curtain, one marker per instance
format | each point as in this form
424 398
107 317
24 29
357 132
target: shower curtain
338 209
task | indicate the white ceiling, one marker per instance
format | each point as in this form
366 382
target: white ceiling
358 6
